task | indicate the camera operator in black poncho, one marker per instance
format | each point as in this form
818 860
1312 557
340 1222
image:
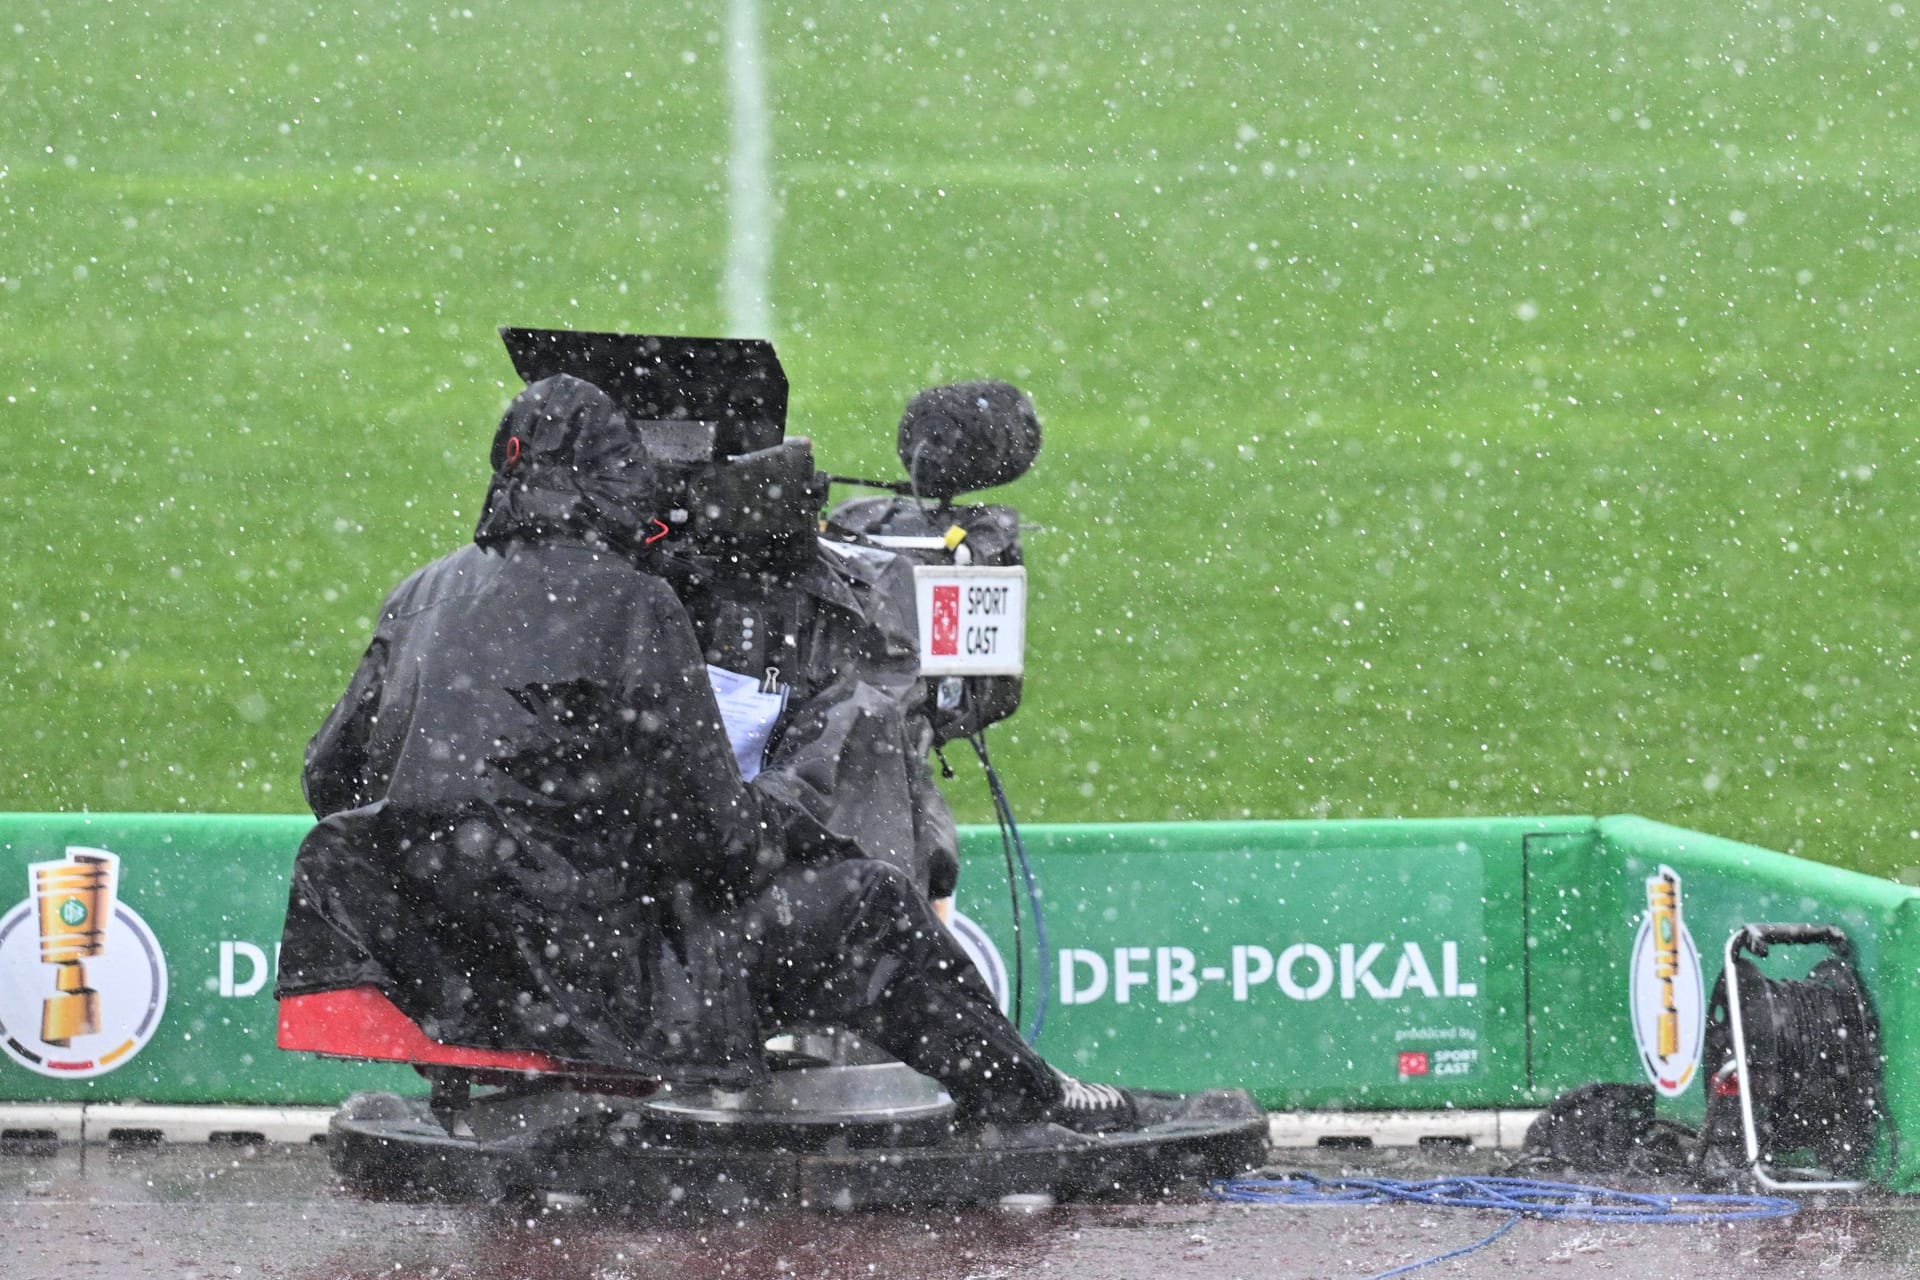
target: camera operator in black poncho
533 833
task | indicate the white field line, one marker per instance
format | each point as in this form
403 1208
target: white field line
744 290
1070 173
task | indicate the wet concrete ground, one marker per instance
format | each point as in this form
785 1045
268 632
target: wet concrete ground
194 1213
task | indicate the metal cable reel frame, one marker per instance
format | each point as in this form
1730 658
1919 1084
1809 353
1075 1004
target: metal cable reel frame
1758 939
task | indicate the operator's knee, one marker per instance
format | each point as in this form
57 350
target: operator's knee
839 915
834 935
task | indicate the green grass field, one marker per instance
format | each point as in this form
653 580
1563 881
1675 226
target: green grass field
1472 409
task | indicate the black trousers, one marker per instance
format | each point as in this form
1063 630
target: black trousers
854 945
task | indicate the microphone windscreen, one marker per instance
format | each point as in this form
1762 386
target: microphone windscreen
967 435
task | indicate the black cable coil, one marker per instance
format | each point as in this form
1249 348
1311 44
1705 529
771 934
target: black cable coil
1813 1064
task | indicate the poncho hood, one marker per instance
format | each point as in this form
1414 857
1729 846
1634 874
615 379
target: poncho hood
568 465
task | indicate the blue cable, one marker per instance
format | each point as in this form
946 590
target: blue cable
1519 1197
1003 810
1039 928
1461 1252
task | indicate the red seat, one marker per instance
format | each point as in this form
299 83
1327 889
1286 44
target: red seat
360 1022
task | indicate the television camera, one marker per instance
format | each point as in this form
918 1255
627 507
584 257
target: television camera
910 594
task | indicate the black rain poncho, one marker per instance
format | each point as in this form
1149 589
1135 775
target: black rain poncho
850 755
532 829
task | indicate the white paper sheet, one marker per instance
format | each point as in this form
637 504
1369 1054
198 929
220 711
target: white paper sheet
749 714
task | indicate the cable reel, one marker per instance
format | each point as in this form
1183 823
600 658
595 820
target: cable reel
1801 1060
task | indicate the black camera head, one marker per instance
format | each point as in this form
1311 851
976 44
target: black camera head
712 413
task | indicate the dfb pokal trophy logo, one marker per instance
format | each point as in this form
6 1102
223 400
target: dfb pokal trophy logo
82 979
1666 991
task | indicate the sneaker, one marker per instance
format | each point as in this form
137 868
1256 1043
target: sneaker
1093 1108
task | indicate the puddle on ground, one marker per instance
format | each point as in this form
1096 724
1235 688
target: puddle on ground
200 1212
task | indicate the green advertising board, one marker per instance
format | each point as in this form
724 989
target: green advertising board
1596 989
1323 965
1351 964
1319 964
183 968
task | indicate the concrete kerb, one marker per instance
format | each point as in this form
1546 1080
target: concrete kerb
1482 1130
132 1123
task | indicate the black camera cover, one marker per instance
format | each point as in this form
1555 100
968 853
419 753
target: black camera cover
993 538
737 384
